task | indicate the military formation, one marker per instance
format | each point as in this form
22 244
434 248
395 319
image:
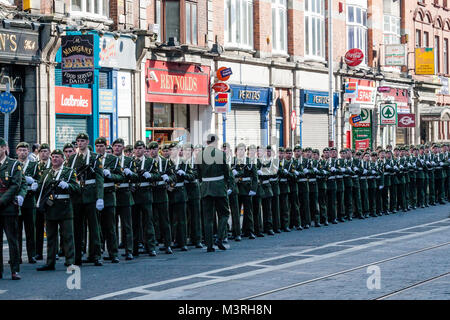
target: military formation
147 198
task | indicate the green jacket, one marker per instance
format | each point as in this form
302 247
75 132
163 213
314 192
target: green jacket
142 193
123 192
213 172
340 166
284 174
177 193
164 167
193 187
266 186
275 172
247 176
330 166
10 181
439 167
62 208
112 163
357 170
30 169
322 175
302 178
365 174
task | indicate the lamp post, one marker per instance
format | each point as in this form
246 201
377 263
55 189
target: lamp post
331 135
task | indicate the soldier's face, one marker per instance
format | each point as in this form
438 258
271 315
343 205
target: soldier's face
154 152
374 158
109 151
187 152
57 160
282 154
366 157
44 154
388 155
251 153
289 155
196 151
297 153
147 152
22 153
269 153
100 148
382 155
343 155
326 154
240 152
139 151
165 153
334 153
315 156
117 149
308 154
82 144
128 153
68 152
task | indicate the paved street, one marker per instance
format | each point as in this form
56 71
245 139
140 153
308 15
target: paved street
320 263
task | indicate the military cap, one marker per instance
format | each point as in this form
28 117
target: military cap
373 154
173 145
188 146
326 149
281 149
100 140
333 149
240 145
82 136
396 148
23 145
68 145
2 142
152 145
415 148
165 147
422 147
109 147
297 147
252 146
58 151
198 146
211 138
128 148
44 146
139 143
316 151
288 149
343 151
225 145
118 140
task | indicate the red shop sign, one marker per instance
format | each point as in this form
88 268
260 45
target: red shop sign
70 100
220 87
354 57
407 120
168 82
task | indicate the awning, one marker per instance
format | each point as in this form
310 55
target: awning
435 114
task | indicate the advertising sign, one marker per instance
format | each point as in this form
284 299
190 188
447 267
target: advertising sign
354 57
388 114
104 127
362 138
425 61
106 100
117 53
293 120
406 120
354 108
21 45
351 90
8 103
395 55
223 73
222 102
220 87
77 59
365 121
70 100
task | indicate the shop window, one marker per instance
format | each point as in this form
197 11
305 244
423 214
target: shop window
239 24
99 8
315 28
180 115
162 115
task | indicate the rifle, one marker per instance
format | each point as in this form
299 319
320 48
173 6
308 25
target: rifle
47 199
82 173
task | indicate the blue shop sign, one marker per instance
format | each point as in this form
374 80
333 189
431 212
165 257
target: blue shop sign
316 99
250 95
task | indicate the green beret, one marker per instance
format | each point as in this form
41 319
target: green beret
109 147
82 136
297 147
374 154
139 143
269 147
58 151
128 148
44 146
316 151
23 145
188 146
422 147
2 142
68 145
173 145
100 140
326 149
166 147
252 146
153 145
288 149
358 153
119 140
333 149
281 149
225 145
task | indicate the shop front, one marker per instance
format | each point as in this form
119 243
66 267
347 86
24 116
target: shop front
247 122
177 99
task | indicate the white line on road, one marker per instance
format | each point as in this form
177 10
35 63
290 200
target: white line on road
313 258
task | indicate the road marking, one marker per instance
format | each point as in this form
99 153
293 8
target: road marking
3 291
268 268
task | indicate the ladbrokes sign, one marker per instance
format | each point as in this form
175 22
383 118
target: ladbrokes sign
73 100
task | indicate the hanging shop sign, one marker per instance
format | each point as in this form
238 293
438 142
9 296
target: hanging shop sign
8 103
388 114
224 73
366 94
400 96
362 138
220 87
222 102
406 120
250 95
351 90
22 45
106 100
424 61
354 57
77 59
395 55
365 121
293 120
69 100
114 53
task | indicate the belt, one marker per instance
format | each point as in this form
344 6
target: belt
91 181
265 182
179 184
363 178
28 188
247 179
339 177
273 179
331 178
61 196
438 167
355 177
145 184
283 180
420 169
378 177
346 175
370 177
195 181
108 184
213 179
124 185
386 173
303 180
312 180
160 183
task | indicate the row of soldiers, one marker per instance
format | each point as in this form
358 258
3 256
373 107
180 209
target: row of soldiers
173 193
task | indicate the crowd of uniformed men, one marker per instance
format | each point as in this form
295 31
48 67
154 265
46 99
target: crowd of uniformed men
170 194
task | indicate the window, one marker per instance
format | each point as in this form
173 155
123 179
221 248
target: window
315 28
191 23
239 23
391 30
172 20
418 39
279 25
437 60
91 7
445 56
357 29
426 39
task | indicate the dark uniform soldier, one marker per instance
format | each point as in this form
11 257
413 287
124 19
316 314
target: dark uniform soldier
330 166
112 175
27 202
10 181
214 176
56 186
401 189
295 219
284 175
254 158
439 174
274 183
313 188
340 186
420 176
431 180
124 199
89 172
364 185
390 168
44 163
322 187
266 191
356 166
302 172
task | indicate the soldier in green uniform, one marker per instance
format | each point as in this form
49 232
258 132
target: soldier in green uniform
43 164
322 187
160 197
284 190
439 174
340 185
412 178
356 166
124 199
372 184
420 175
364 185
447 170
313 176
10 181
301 171
254 155
401 188
390 168
112 175
431 181
385 183
265 173
56 186
346 155
330 166
68 150
27 201
89 172
214 176
274 169
295 219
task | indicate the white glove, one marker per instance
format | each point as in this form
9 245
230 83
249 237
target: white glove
127 172
343 170
395 167
63 185
333 169
147 175
365 171
316 170
381 187
181 173
285 171
100 205
30 180
106 172
355 169
252 193
441 164
165 177
235 173
229 191
260 173
305 170
19 200
428 162
34 186
296 172
349 168
433 163
402 167
388 166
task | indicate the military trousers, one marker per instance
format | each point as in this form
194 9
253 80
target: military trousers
365 201
108 225
393 197
209 206
276 212
379 200
126 229
356 199
295 220
86 211
27 221
372 195
420 192
284 210
66 227
331 204
144 219
247 223
304 205
162 211
426 189
401 197
385 199
413 192
179 222
447 186
340 204
257 219
348 202
194 218
432 190
440 191
40 229
267 214
323 205
9 224
314 208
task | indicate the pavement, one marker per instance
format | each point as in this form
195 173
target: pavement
360 259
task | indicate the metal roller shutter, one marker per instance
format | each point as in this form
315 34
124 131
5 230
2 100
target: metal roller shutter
67 130
315 128
244 126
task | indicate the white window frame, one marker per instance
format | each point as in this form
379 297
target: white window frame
279 43
238 34
90 13
314 15
392 34
361 30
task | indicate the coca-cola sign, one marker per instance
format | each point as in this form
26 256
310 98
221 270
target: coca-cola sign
73 100
354 57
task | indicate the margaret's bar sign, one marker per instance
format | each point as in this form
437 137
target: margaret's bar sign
77 61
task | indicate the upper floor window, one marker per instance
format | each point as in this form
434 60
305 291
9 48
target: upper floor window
239 23
357 29
279 25
90 7
315 28
391 30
